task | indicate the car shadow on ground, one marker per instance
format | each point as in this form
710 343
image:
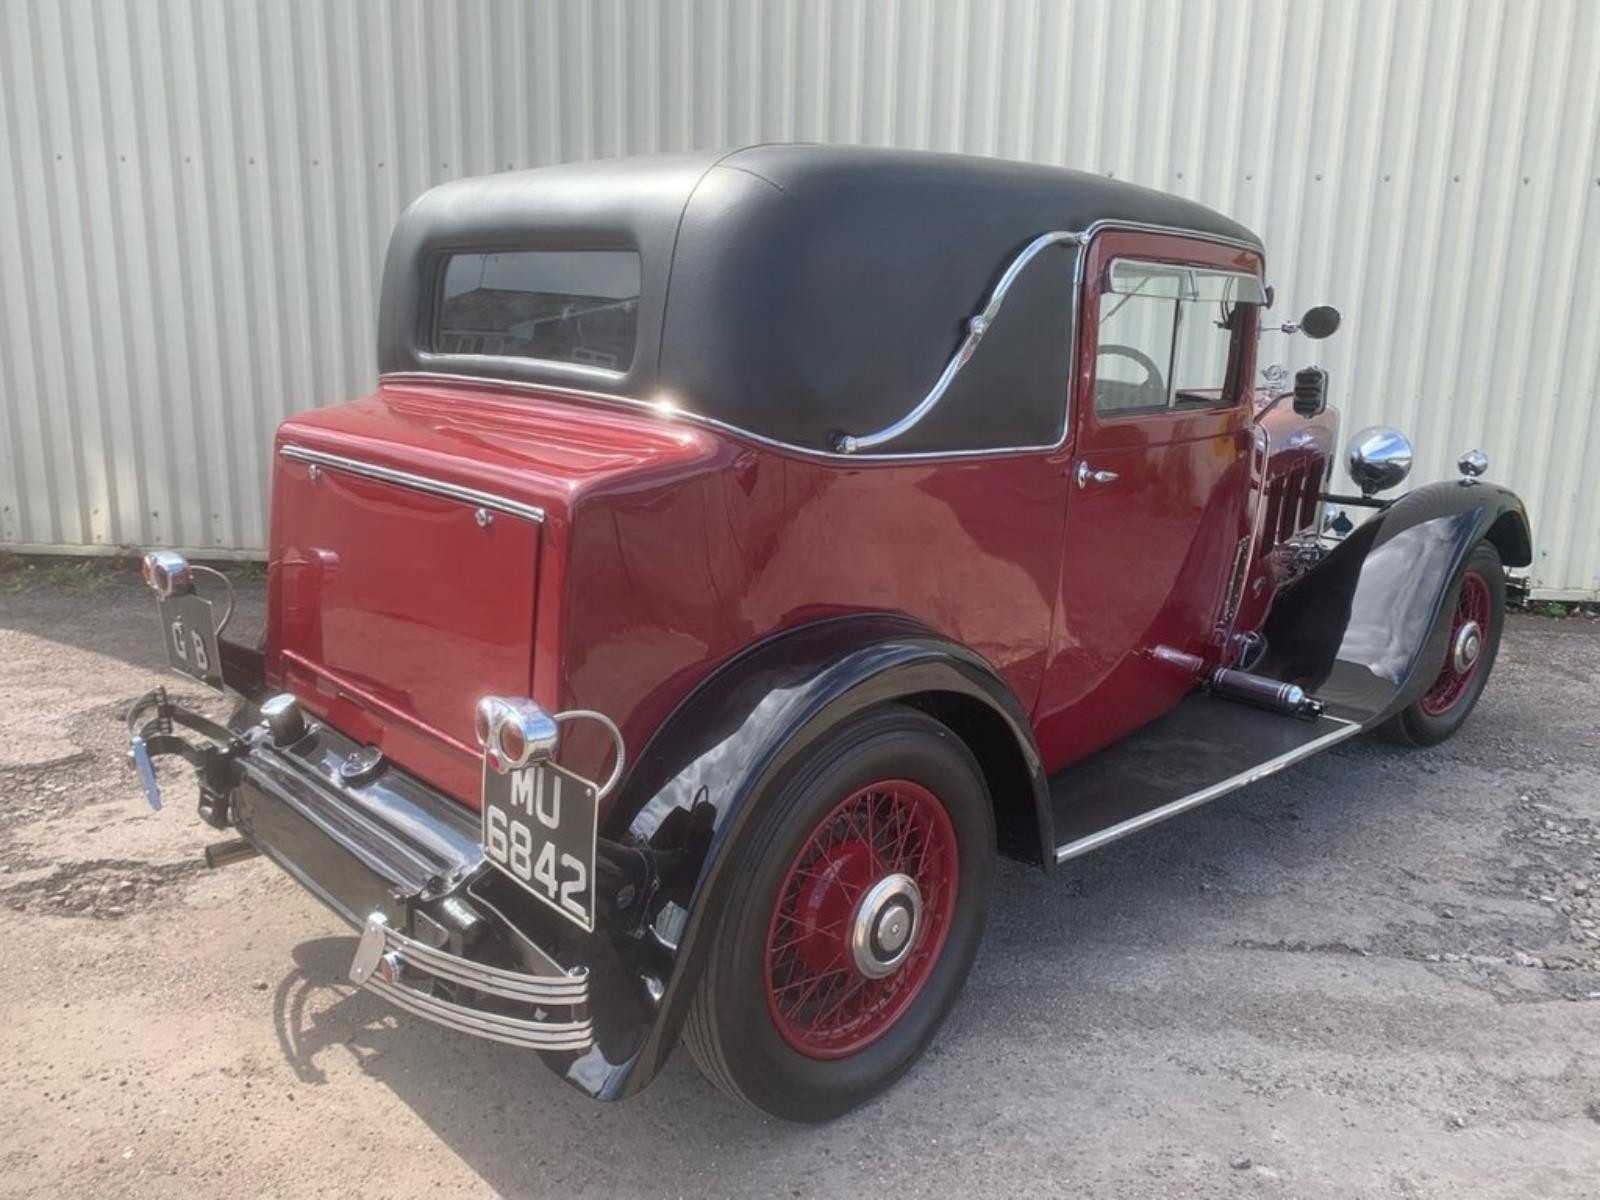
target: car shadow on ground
514 1122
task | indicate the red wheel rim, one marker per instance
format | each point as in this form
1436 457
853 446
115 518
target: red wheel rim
1463 661
849 879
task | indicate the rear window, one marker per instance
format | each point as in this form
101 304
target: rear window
579 307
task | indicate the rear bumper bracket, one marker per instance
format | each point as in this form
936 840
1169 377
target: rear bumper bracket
401 970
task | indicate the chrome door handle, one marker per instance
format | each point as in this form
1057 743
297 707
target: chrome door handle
1088 475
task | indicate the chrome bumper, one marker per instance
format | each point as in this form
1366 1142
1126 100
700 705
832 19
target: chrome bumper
384 852
393 965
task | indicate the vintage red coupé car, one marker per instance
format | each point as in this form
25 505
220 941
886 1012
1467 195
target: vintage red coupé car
835 519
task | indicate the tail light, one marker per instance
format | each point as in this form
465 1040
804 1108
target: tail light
166 573
514 732
512 743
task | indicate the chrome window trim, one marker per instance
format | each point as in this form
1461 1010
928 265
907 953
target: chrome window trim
416 483
1180 269
581 370
977 325
670 412
674 411
1155 270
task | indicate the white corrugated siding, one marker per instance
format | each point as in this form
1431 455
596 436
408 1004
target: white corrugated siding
195 197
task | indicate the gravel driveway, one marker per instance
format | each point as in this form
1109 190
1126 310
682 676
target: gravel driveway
1377 974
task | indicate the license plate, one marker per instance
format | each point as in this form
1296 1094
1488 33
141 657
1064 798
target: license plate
539 826
191 637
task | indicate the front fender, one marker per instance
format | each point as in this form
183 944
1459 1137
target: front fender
1365 630
688 801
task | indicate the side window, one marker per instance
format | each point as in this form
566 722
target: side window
1138 318
1167 336
1200 358
1202 353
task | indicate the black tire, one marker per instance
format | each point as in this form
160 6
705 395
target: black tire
732 1031
1416 725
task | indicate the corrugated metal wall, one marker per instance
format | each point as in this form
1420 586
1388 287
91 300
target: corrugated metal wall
195 196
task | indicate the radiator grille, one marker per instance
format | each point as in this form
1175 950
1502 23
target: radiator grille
1292 502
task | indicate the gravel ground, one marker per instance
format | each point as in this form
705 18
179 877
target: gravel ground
1377 974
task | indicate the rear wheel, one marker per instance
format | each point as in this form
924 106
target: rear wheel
1475 626
856 913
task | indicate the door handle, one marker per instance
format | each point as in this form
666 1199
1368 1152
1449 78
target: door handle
1088 475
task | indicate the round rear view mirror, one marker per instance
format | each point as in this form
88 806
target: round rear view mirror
1320 321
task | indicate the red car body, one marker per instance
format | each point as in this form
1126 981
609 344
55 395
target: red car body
684 556
668 546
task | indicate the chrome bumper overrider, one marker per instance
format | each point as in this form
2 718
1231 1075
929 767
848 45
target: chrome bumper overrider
393 965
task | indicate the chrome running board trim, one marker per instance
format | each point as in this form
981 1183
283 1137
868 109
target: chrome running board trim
417 483
1233 783
385 957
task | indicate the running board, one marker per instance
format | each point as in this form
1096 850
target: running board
1204 748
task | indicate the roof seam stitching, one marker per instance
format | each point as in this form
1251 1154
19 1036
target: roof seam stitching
726 166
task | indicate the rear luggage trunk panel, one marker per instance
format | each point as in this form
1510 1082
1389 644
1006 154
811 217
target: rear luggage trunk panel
396 610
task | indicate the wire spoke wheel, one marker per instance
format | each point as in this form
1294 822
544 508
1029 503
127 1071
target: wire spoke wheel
861 889
1469 631
860 918
1476 615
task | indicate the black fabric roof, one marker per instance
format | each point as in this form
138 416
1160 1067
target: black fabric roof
797 290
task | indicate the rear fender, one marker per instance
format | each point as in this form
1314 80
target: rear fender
689 800
1365 630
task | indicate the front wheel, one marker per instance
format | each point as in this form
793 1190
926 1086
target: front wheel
856 912
1476 623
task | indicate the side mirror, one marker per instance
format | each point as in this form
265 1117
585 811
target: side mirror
1380 458
1320 321
1310 391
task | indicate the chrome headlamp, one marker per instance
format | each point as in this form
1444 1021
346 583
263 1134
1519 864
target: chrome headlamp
1380 458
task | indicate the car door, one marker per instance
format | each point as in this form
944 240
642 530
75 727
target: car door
1159 470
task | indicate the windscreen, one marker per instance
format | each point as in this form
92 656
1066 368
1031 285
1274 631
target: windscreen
577 307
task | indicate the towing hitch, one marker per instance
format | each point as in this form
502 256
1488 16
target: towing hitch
157 736
220 854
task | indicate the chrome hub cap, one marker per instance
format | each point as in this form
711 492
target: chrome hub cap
1466 647
885 925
